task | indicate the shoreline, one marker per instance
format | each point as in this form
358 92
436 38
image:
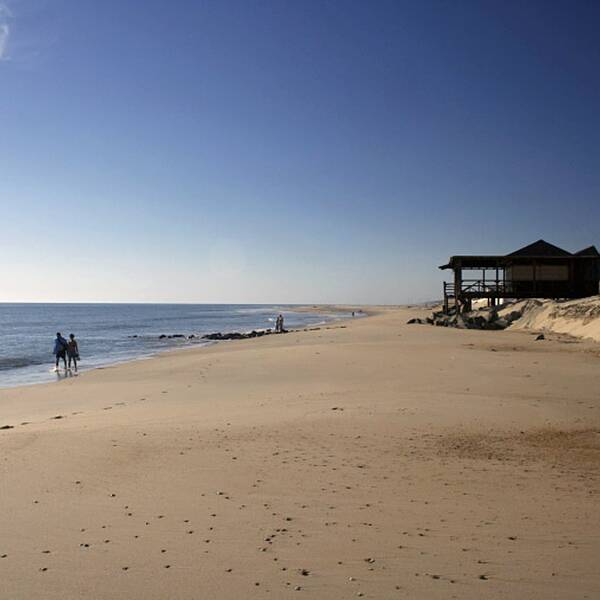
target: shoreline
363 457
198 343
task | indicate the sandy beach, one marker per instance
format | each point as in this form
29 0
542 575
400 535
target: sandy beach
367 458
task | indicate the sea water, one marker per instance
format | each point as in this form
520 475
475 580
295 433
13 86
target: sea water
111 333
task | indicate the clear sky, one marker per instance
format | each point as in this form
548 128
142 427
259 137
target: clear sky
288 151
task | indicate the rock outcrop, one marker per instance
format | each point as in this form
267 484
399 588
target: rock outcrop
239 336
492 318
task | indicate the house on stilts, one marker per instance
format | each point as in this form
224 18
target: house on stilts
540 270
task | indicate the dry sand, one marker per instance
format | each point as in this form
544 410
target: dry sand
385 460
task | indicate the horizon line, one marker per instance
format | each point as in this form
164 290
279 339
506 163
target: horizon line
200 303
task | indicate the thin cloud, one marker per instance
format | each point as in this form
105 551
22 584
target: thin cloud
5 15
4 35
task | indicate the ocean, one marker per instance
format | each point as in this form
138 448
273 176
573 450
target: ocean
105 332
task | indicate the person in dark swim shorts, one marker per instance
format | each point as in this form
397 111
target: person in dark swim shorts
60 350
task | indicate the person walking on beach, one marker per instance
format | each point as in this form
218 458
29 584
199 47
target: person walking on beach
73 351
60 350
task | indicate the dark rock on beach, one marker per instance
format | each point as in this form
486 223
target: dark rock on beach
235 335
218 336
483 318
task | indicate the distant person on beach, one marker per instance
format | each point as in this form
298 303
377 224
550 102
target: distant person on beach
60 350
73 351
279 324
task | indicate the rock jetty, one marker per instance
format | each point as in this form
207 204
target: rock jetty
239 336
218 336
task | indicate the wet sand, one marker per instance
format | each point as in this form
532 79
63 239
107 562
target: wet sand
367 458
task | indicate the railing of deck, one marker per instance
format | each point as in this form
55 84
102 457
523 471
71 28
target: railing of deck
483 288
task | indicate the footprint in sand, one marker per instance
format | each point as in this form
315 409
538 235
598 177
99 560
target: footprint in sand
7 427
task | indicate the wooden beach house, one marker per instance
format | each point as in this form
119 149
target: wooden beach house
540 270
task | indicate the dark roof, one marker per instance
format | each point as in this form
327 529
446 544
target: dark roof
474 262
540 248
589 251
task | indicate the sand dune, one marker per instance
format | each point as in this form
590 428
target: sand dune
578 318
376 460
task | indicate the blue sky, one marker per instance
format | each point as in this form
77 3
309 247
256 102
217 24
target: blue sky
288 151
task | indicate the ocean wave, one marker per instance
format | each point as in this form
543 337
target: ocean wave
17 362
255 310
